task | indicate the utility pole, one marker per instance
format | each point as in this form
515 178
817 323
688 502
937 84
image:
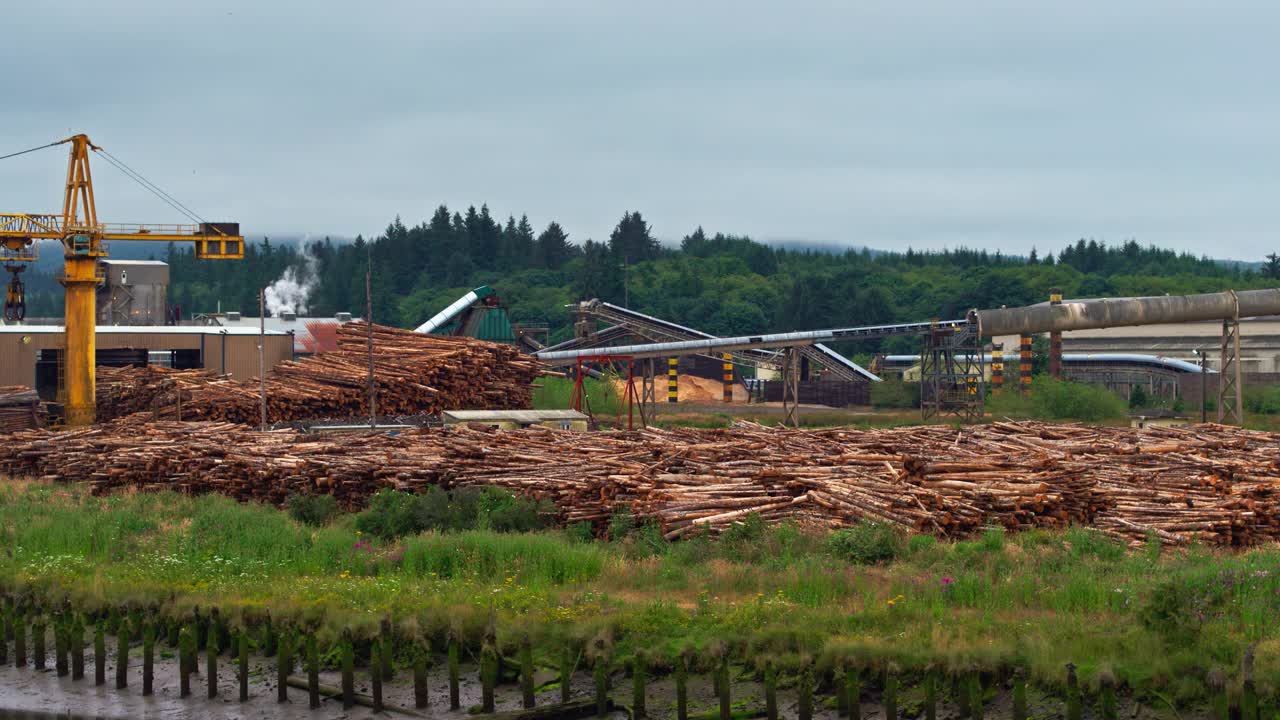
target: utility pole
368 325
262 352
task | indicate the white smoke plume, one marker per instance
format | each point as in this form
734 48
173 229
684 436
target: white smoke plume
292 290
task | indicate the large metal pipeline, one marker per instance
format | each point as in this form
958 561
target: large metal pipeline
1119 312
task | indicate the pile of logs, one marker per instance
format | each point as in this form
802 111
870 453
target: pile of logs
20 409
1215 483
414 374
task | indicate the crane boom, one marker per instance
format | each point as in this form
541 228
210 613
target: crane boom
83 241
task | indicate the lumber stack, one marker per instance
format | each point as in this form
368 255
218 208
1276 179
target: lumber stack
20 409
414 374
1211 483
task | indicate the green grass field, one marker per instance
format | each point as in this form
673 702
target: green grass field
1157 620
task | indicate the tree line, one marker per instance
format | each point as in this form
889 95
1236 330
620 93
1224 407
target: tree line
722 283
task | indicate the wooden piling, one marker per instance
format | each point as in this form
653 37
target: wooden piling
211 650
60 664
973 686
100 651
1248 688
76 639
638 673
527 699
931 694
1107 696
348 671
284 664
1219 702
682 686
19 640
421 694
186 658
242 664
313 672
455 675
890 700
375 673
388 651
6 610
770 691
488 676
600 675
37 644
148 658
726 710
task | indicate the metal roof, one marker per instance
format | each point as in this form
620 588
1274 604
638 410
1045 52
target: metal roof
520 416
310 334
139 330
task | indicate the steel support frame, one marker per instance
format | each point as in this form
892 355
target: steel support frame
1230 383
952 374
791 387
648 393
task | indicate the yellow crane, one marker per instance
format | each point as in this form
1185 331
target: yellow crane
83 241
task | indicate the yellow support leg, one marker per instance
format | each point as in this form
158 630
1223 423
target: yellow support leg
81 284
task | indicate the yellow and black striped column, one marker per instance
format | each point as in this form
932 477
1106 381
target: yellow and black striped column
673 379
1055 339
1024 364
728 378
997 368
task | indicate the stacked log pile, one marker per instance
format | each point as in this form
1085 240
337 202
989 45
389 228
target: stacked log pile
1215 483
415 374
20 409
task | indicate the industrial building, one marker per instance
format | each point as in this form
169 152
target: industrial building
311 335
33 355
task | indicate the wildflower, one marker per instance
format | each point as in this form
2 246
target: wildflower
946 582
896 600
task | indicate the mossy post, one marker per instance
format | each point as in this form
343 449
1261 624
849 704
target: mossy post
19 624
6 609
37 643
770 691
211 649
270 642
148 658
722 689
567 662
638 672
388 650
75 636
853 692
488 675
1107 696
1019 694
348 653
284 663
100 650
455 674
931 693
804 690
242 663
1075 704
421 696
313 672
375 673
173 633
122 651
186 651
842 694
60 659
682 686
526 673
890 695
600 674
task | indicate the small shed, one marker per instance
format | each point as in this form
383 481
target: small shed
515 419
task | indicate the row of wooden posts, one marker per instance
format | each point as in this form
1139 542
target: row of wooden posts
289 643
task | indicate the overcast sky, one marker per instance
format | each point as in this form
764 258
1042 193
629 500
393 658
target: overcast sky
1004 125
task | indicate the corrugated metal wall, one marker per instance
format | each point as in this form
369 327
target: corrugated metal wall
234 354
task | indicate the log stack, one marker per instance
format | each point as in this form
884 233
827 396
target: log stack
20 409
415 374
1211 483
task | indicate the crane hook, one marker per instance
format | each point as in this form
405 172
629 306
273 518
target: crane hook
15 295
